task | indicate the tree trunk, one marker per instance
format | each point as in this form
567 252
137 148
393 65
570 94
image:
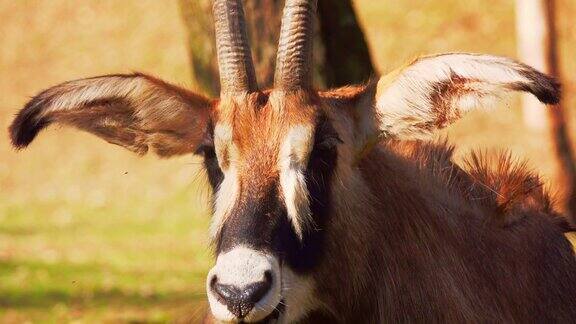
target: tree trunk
346 54
197 16
345 59
531 32
537 43
558 126
263 30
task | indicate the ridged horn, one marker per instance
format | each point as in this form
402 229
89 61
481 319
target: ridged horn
294 60
235 63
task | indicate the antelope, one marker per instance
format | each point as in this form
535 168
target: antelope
336 205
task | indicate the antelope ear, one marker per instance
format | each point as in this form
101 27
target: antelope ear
135 111
435 91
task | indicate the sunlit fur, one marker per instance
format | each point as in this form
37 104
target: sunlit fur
447 238
406 234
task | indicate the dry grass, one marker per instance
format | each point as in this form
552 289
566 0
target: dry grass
90 232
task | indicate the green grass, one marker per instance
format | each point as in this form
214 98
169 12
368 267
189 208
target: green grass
62 262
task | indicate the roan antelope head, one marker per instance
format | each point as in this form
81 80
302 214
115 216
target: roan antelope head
285 164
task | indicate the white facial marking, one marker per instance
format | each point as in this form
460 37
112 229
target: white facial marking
241 267
292 161
226 196
228 191
223 144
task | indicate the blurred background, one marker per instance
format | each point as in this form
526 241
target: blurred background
90 232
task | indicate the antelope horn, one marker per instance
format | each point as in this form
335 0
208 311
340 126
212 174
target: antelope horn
294 60
235 63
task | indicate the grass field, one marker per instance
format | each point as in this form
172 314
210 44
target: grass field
91 233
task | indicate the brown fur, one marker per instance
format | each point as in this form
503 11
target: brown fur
445 244
136 111
493 181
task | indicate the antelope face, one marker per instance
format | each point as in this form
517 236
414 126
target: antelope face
269 158
260 158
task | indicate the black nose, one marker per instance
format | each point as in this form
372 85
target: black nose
241 300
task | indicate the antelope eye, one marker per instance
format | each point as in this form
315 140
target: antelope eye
329 142
207 151
206 147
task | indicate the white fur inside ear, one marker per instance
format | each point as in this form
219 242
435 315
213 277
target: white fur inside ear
83 91
436 91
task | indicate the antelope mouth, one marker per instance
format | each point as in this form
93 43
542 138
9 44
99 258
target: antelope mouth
274 317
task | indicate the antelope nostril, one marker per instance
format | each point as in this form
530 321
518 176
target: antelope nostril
226 293
240 301
256 291
213 281
268 276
